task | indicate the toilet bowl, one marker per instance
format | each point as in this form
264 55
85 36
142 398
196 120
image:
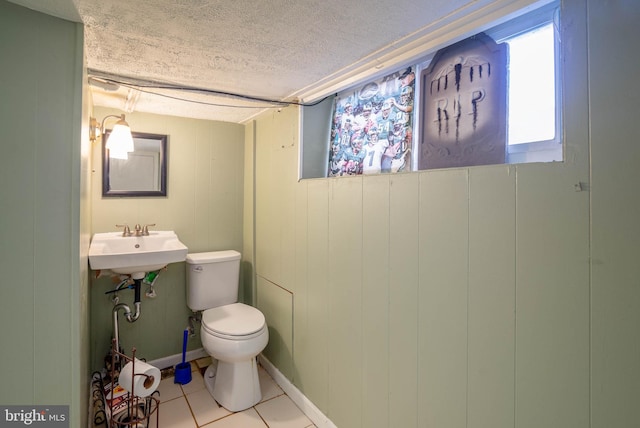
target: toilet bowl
234 335
231 332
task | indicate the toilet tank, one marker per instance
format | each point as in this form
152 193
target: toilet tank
212 279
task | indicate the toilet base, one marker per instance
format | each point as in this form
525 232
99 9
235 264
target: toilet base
235 386
210 377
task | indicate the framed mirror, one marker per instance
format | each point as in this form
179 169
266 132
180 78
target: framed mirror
143 173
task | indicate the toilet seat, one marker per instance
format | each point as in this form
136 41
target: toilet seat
236 321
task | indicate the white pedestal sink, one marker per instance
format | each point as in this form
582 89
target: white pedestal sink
135 255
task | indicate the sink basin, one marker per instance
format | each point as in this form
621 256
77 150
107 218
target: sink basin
135 255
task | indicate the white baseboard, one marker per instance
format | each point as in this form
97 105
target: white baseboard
308 408
172 360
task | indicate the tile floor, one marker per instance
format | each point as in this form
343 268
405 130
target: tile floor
191 405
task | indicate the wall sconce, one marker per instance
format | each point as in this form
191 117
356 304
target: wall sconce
120 141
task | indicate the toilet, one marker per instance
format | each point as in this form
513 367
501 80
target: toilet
232 333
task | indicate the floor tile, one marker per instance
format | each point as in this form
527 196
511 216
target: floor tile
281 412
169 390
246 419
268 387
203 362
191 405
204 407
196 384
174 414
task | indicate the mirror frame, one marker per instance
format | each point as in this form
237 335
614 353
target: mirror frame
106 187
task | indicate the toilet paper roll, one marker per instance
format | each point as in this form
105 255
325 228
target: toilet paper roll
145 379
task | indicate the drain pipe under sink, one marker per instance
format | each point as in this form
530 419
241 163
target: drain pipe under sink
127 313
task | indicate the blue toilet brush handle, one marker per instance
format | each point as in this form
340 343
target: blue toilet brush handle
184 345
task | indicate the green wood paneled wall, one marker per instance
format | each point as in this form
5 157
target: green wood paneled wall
43 296
615 271
497 296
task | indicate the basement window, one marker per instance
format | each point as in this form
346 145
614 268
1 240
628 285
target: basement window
534 87
531 116
508 114
532 93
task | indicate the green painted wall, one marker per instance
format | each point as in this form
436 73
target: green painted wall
615 214
494 296
45 212
205 184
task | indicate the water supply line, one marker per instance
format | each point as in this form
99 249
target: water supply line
195 318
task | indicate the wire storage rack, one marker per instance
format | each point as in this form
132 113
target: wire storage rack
124 409
97 414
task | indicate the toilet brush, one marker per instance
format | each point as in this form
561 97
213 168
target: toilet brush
183 370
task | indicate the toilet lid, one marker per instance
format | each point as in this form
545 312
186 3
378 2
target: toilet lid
236 319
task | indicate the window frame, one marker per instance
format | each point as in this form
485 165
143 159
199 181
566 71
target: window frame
528 22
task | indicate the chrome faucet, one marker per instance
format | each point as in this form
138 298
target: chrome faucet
138 230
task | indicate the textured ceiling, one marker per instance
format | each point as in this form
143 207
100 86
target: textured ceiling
273 49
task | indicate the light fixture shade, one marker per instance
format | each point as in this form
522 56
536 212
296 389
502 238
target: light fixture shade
120 139
118 154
